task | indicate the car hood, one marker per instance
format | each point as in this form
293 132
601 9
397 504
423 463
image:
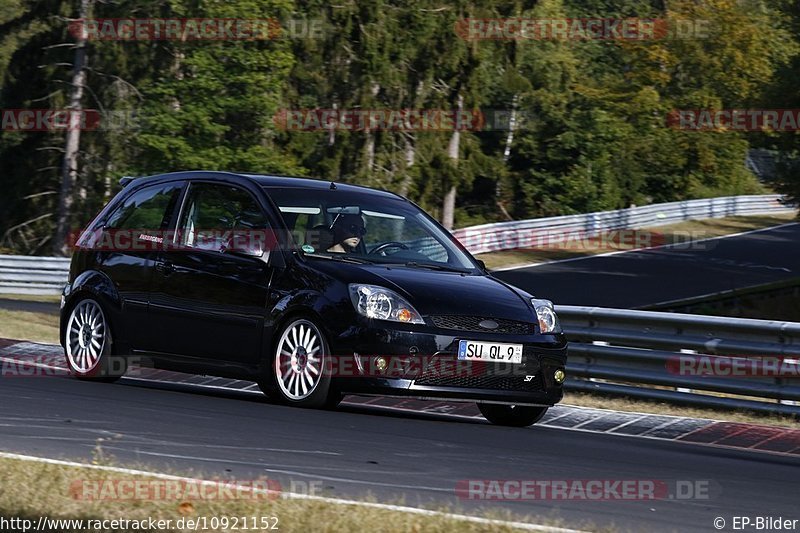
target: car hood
433 292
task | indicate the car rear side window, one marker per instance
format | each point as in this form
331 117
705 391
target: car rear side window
149 209
213 212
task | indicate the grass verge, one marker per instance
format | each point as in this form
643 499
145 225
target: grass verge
683 232
32 489
26 325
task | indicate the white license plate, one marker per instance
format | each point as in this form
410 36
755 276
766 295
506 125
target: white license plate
489 351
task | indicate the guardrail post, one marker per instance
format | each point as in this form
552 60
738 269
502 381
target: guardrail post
683 389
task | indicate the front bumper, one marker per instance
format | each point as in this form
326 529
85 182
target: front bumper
420 361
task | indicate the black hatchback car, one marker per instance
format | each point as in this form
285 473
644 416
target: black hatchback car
310 288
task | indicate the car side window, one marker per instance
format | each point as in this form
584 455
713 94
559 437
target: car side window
215 214
147 210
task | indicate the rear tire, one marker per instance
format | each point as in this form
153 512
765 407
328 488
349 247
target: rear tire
511 415
89 344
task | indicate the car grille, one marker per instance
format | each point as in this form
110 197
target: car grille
480 376
471 323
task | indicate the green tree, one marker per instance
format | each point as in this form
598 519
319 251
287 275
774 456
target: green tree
213 107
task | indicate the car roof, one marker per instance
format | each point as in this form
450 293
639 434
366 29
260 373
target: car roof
263 180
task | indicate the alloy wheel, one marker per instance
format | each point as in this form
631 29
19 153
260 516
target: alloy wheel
86 337
299 360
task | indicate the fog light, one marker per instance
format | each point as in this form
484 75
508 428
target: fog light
380 363
559 376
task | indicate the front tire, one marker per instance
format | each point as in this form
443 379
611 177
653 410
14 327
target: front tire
511 415
88 344
300 374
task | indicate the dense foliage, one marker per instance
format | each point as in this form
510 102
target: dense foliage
590 127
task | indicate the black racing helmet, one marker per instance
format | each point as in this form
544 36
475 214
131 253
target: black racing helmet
346 226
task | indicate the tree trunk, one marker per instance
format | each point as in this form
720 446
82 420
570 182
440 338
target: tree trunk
512 124
448 208
370 144
332 129
410 157
69 170
410 140
449 205
369 150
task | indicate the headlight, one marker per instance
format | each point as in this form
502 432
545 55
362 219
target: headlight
548 320
377 302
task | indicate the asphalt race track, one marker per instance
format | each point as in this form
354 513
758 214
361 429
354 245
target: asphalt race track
641 278
390 453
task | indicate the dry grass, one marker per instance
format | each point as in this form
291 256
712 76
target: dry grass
24 325
31 489
683 232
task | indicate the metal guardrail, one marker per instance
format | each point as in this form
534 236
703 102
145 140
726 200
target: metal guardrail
32 275
527 233
690 359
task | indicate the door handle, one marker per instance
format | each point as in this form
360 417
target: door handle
165 267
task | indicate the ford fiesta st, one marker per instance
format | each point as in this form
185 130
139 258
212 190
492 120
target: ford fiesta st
312 289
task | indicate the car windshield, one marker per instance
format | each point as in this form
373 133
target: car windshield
363 226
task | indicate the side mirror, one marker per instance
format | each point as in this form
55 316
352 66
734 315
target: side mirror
481 263
244 245
254 245
245 252
276 259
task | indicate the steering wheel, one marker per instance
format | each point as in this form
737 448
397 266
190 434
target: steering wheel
387 245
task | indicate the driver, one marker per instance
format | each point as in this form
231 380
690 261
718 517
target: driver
347 233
